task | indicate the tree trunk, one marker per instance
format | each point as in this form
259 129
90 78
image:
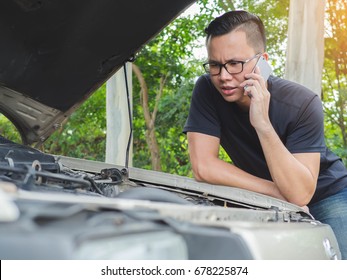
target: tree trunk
150 117
305 49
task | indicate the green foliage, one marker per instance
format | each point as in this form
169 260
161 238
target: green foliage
334 84
84 135
169 54
8 130
176 106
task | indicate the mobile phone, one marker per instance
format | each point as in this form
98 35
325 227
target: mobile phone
265 71
265 68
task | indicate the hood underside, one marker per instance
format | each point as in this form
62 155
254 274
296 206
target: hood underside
55 53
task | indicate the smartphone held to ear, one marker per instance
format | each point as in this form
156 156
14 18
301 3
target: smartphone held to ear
265 68
265 71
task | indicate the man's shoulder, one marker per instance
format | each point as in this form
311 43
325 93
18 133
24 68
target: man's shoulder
277 83
289 92
204 87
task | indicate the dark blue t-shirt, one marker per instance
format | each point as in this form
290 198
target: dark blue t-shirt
296 114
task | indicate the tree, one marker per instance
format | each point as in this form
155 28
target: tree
84 134
150 117
334 92
163 69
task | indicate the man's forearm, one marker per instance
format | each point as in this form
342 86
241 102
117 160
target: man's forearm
219 172
294 179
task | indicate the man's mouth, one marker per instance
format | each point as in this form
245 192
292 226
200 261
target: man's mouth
228 90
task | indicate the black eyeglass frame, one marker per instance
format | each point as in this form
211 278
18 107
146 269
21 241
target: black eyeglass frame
224 65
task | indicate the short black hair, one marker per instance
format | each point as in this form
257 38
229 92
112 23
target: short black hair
239 20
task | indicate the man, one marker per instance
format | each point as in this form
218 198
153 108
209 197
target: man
272 130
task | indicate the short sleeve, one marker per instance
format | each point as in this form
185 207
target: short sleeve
308 132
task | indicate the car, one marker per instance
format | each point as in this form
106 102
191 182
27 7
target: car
56 207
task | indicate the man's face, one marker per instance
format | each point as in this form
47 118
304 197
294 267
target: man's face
231 46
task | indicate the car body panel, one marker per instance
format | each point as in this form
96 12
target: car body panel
65 226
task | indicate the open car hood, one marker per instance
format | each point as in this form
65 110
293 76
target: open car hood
55 53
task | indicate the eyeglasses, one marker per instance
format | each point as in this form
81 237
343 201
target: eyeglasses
231 66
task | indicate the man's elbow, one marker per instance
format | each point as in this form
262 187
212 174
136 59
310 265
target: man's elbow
199 173
303 199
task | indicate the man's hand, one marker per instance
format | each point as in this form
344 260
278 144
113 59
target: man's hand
256 88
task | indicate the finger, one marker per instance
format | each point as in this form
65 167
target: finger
248 83
247 89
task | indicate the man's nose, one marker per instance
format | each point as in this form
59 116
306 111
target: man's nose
224 74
